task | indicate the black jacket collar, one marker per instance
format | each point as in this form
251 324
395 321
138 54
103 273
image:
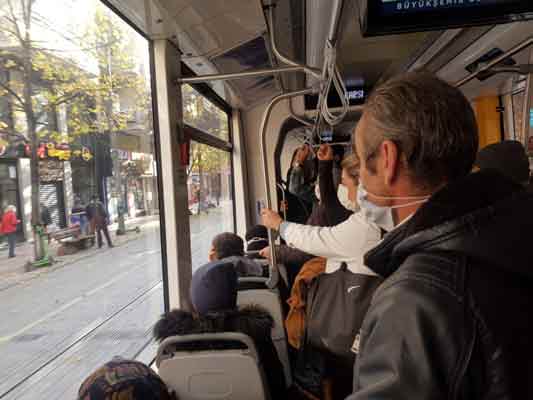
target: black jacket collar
474 215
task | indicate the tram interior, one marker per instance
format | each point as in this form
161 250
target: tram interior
233 36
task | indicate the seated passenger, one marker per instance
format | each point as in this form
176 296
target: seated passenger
122 379
230 248
509 158
256 240
214 299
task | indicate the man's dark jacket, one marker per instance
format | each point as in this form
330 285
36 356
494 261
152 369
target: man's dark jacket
251 320
453 320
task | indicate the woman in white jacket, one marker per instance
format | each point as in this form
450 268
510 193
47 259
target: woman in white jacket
346 242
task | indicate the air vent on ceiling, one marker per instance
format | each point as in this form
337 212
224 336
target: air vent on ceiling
250 55
486 58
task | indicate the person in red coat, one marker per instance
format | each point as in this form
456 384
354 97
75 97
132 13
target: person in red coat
8 227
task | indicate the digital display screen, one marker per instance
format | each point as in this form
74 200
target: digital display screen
356 96
391 7
379 17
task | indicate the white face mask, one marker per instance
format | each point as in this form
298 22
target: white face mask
344 198
382 215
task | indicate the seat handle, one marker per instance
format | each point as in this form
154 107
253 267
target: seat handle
206 337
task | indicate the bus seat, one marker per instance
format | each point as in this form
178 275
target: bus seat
255 291
281 268
212 366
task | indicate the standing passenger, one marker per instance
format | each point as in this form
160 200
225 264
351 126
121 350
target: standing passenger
508 158
9 228
46 217
453 318
99 220
334 208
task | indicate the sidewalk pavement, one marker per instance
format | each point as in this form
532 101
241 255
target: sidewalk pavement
12 270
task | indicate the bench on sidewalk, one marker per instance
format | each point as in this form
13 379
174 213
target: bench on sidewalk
72 240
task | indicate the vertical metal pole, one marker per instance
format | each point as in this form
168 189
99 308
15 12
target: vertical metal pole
173 173
274 273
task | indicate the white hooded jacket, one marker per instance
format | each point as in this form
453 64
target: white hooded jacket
347 242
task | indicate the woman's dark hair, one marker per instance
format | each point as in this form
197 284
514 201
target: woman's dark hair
228 244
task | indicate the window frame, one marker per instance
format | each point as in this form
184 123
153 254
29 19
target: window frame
196 135
209 139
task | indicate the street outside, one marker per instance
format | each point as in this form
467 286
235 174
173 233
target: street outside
61 322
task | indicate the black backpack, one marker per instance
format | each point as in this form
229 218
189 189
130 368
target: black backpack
336 306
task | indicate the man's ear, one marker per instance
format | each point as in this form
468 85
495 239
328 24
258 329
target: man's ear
391 161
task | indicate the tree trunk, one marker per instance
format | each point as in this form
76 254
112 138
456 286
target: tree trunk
34 143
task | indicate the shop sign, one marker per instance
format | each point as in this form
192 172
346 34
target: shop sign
63 152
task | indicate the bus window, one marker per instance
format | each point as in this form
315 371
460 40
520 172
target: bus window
76 155
202 114
210 190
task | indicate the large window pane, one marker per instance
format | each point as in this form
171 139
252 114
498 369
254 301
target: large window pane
204 115
76 155
210 198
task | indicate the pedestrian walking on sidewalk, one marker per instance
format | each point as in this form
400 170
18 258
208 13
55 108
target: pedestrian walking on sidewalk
99 220
8 227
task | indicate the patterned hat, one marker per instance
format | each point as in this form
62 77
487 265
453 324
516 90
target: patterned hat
122 379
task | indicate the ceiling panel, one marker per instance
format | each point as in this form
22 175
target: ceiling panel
251 55
216 25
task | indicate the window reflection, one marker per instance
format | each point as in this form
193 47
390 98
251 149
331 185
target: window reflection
200 113
210 192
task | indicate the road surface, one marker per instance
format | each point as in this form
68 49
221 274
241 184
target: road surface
57 328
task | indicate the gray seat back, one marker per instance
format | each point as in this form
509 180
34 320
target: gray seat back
194 371
255 291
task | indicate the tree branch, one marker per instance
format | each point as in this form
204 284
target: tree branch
12 93
13 16
13 134
66 98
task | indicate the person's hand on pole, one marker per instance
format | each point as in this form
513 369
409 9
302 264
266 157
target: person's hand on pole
271 219
325 153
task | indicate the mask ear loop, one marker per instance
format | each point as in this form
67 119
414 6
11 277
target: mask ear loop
408 204
424 198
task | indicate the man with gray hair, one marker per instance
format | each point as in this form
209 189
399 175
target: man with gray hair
452 318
